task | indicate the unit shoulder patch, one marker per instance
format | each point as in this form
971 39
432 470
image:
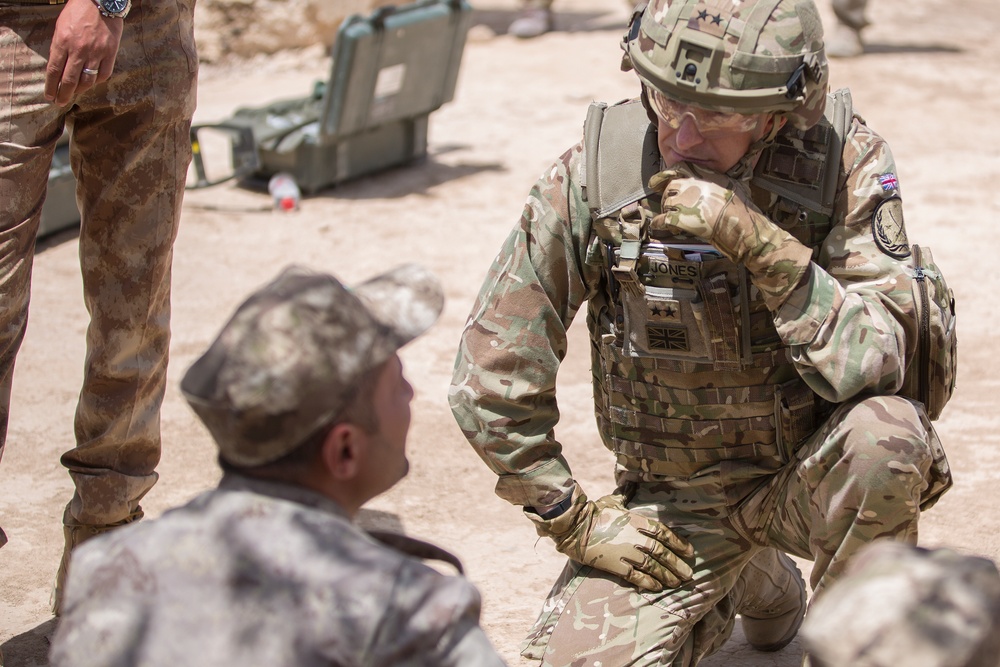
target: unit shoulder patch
888 229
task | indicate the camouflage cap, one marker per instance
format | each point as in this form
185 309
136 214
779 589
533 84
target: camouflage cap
291 356
903 605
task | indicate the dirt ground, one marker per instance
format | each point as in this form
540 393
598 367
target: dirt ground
926 83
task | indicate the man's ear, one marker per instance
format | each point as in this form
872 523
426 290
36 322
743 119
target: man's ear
774 124
343 451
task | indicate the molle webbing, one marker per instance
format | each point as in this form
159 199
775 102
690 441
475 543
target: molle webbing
644 416
760 360
698 396
721 317
705 433
800 177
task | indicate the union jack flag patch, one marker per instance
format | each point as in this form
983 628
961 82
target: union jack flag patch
888 182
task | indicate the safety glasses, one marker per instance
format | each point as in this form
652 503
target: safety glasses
706 121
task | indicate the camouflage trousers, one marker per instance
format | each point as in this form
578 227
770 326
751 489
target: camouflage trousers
866 474
129 151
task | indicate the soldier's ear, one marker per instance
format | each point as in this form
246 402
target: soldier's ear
773 124
343 451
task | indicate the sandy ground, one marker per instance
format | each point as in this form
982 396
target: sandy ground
925 84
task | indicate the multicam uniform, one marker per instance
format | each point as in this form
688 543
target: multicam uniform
736 427
262 573
130 151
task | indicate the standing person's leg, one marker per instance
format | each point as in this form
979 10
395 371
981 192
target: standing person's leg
130 153
534 19
29 129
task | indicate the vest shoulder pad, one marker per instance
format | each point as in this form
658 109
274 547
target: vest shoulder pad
620 156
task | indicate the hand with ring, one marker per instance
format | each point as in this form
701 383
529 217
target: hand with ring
83 53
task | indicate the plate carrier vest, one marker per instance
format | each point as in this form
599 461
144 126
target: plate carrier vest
689 371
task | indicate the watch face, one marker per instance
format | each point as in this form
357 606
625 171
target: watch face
114 6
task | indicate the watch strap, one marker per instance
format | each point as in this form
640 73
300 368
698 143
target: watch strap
557 510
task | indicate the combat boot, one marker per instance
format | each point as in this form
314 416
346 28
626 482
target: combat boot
845 42
75 534
770 596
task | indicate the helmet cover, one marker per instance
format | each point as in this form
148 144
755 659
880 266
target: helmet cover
735 56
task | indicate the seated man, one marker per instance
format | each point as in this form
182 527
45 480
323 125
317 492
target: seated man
304 395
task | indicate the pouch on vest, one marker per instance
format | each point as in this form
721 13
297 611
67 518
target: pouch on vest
693 306
795 414
930 371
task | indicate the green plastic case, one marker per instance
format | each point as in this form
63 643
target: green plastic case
390 70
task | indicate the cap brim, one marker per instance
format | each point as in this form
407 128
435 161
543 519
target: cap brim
407 300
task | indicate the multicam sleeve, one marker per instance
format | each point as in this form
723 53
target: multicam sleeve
845 321
503 389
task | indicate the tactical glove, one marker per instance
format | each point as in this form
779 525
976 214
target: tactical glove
718 210
607 536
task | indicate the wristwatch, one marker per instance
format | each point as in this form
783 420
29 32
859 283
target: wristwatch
116 9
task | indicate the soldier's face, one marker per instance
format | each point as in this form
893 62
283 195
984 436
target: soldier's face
684 139
387 446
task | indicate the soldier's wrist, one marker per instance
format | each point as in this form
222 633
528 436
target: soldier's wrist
550 512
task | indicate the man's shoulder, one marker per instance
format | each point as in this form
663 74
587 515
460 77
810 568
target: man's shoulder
225 525
296 572
148 539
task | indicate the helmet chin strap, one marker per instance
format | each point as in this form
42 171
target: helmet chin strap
644 98
743 170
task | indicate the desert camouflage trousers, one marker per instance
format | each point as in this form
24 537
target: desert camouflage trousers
866 474
129 150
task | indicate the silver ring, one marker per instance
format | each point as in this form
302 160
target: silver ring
92 72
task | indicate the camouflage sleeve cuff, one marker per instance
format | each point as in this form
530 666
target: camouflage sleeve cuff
817 298
566 522
543 485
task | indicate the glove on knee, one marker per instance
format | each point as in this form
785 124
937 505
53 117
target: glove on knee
606 535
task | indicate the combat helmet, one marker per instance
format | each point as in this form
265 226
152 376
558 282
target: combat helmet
743 56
